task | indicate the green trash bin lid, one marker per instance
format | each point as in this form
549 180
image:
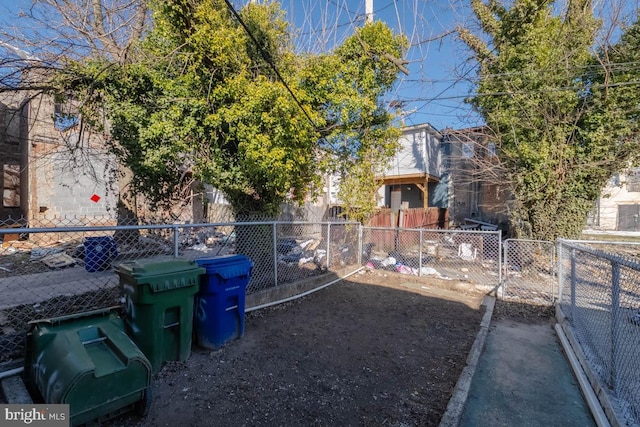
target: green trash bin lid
156 272
148 267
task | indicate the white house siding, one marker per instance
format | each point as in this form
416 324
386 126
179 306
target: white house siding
615 194
332 189
381 197
419 153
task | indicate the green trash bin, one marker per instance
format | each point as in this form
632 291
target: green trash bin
88 362
159 306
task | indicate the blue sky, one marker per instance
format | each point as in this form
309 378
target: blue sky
440 71
433 92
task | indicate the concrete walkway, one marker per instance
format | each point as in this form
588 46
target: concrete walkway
523 378
517 374
38 287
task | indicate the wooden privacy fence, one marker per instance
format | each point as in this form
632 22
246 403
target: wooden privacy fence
411 218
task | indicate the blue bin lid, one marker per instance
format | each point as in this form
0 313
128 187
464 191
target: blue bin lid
227 266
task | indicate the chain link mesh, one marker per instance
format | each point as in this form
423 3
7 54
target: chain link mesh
463 256
67 266
50 271
600 298
620 248
48 268
529 272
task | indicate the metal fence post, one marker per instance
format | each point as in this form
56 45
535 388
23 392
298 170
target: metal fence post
176 246
504 265
499 256
553 274
420 254
615 325
396 239
360 243
275 253
573 287
559 266
328 244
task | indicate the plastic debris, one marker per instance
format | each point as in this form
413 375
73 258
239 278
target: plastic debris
403 269
429 271
305 260
467 252
58 260
39 253
389 261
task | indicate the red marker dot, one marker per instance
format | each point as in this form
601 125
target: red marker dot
95 198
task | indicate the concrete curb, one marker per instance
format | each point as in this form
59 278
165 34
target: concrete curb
587 392
451 417
15 391
604 411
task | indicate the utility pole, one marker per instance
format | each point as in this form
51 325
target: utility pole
369 18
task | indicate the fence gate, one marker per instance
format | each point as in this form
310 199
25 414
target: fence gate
529 271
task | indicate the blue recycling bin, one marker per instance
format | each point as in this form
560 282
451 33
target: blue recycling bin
220 301
99 252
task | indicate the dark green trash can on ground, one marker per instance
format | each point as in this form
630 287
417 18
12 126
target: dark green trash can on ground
159 306
88 362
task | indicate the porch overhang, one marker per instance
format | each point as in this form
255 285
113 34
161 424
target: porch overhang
420 180
417 178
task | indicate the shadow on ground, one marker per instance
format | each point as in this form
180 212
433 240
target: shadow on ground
368 351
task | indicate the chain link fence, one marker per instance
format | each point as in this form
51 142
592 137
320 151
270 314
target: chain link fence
49 268
473 257
529 272
52 269
600 300
627 249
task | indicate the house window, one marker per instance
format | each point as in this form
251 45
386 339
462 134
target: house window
467 149
9 125
11 186
3 123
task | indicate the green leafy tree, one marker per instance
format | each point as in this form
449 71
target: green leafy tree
534 97
346 87
611 125
223 99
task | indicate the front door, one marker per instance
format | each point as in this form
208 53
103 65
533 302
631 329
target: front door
628 217
396 198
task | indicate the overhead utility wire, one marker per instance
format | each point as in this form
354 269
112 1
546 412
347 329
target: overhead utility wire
269 61
439 96
613 66
505 93
345 8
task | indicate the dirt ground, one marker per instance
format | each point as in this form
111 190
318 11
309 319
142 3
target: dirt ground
377 349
